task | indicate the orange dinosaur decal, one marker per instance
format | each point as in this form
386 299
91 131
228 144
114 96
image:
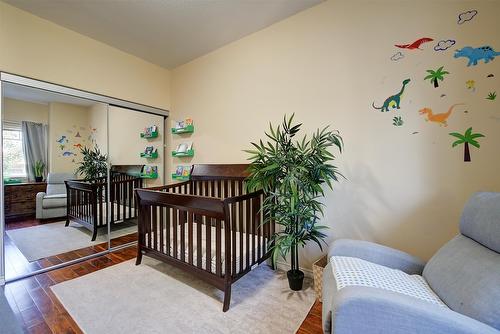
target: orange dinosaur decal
78 145
438 118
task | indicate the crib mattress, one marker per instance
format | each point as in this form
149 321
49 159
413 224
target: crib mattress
238 257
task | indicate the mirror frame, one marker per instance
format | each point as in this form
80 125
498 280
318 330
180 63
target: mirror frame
6 77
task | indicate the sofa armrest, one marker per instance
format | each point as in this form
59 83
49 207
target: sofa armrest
378 254
358 309
39 205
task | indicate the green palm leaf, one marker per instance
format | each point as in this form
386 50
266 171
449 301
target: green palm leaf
458 135
474 143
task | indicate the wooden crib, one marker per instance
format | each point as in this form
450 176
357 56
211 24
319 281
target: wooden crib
209 226
87 202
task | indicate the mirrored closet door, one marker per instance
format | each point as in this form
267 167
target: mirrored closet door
55 175
136 156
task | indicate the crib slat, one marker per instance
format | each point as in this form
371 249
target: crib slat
199 245
100 197
240 228
112 201
130 192
162 242
218 241
259 228
190 237
233 243
174 226
208 244
167 229
247 233
182 222
253 220
154 221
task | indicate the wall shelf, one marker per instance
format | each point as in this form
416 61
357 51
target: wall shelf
187 129
188 153
153 134
149 176
180 177
153 155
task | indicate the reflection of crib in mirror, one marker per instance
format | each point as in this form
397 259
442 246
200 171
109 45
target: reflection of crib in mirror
87 202
208 226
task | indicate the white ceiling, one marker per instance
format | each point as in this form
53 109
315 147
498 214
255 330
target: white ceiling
165 32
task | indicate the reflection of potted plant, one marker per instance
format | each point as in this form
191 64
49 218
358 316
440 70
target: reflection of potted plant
93 164
291 174
38 169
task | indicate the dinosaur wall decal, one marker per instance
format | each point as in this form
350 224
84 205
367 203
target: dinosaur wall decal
486 53
414 45
392 101
438 118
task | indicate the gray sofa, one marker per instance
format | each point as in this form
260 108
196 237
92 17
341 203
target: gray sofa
52 204
464 274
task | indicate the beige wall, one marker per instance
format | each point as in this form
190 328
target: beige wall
16 110
125 144
37 48
98 125
68 129
405 186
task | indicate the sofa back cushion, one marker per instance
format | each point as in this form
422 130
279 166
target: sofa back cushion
466 276
481 219
55 183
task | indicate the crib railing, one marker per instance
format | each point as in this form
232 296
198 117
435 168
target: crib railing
87 202
186 213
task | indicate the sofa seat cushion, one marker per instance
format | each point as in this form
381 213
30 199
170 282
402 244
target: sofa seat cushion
54 201
351 271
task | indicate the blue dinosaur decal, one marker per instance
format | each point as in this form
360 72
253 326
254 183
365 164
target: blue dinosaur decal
486 53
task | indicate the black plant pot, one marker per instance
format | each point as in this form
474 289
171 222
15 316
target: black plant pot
38 178
295 279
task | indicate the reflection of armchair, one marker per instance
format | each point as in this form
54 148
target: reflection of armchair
370 288
52 204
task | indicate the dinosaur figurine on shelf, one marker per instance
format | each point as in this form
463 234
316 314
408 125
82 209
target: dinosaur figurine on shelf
392 101
438 118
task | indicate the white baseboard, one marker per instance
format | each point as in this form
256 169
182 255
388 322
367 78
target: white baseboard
286 266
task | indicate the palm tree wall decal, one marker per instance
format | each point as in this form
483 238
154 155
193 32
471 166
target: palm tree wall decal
467 138
435 76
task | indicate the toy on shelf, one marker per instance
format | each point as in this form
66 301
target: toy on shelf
185 126
150 153
150 132
182 173
149 172
184 150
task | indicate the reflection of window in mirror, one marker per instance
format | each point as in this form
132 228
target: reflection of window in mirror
13 155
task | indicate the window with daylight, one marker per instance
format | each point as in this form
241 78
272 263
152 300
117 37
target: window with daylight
14 163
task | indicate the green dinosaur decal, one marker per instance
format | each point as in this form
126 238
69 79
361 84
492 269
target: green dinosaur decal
392 101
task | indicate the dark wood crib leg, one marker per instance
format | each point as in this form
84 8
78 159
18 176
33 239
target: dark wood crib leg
138 260
67 222
94 234
227 298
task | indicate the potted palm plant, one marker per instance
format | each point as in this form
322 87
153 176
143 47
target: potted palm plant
39 169
93 165
291 173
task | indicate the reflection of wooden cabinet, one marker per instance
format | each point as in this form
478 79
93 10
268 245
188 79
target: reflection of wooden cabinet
20 200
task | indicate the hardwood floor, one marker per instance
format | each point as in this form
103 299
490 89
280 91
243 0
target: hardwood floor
16 264
39 311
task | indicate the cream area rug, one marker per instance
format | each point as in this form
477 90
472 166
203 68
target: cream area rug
50 239
155 297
